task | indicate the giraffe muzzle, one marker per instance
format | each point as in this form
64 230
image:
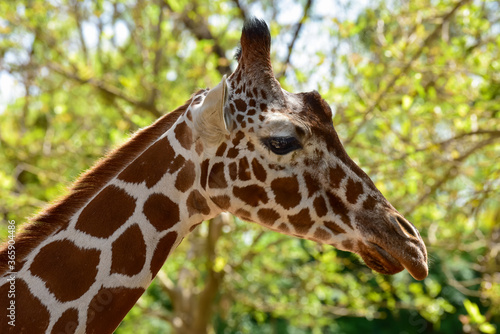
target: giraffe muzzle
389 253
378 259
393 259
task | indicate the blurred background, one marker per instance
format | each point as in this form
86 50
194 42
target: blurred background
415 91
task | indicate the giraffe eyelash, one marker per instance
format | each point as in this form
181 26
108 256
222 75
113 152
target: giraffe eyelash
281 145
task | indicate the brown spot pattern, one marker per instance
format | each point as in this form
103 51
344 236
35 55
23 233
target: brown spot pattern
320 206
232 110
268 216
240 104
61 262
250 146
347 244
221 149
216 179
321 234
161 212
163 248
27 319
244 169
301 221
67 323
284 228
309 162
263 94
233 170
109 210
244 214
255 93
184 135
196 203
336 229
232 153
108 307
192 228
198 147
353 190
128 252
151 165
197 100
339 208
222 201
176 164
204 173
237 138
337 174
259 171
369 203
185 178
311 184
252 194
286 191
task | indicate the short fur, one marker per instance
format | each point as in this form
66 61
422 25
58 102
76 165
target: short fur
256 44
56 216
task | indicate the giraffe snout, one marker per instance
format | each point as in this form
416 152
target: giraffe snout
392 244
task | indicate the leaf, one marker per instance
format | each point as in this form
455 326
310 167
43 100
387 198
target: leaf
473 311
407 102
487 328
219 263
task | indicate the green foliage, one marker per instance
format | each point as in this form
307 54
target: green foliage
415 90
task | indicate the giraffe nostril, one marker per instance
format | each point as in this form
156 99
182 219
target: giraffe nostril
406 226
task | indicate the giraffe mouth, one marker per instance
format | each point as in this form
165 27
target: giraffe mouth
379 259
386 262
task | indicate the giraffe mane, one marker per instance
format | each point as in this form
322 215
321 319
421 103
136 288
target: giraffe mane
56 216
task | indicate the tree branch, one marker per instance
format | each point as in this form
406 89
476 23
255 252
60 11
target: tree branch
252 252
242 11
430 38
214 278
449 173
201 31
158 55
298 27
106 89
493 133
168 286
76 12
457 285
155 313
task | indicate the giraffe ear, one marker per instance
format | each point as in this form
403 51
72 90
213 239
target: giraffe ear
209 118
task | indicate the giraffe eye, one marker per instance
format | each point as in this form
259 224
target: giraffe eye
281 145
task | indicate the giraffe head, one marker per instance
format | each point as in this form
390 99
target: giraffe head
274 157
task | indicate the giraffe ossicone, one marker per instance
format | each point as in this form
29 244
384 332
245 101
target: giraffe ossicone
247 147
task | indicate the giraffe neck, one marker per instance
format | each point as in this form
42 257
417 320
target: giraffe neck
88 272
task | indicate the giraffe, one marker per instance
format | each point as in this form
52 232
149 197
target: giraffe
247 147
